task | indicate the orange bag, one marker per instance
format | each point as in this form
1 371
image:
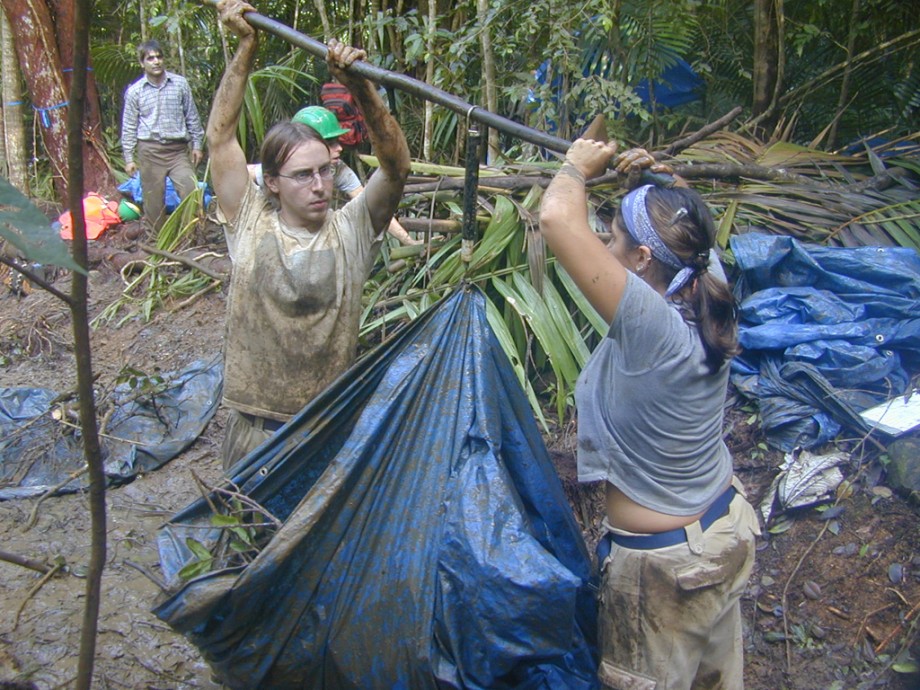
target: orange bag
99 215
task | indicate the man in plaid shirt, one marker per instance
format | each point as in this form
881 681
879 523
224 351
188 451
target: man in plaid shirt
158 124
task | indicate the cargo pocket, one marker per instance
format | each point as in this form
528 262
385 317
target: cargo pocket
699 576
614 677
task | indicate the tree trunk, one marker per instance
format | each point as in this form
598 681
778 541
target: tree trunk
40 62
14 132
176 12
351 19
429 78
323 18
847 72
373 10
489 90
396 47
142 16
97 175
4 168
92 452
766 56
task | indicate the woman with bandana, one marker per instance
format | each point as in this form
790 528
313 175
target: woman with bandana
680 541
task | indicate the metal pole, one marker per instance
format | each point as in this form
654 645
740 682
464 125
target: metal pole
410 85
470 193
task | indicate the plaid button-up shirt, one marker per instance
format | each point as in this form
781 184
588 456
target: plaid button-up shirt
162 113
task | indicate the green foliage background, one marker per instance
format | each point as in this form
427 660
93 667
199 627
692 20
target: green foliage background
634 39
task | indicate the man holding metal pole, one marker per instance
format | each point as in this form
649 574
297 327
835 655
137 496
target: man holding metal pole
298 267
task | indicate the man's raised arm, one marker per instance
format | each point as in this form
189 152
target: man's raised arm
228 160
384 189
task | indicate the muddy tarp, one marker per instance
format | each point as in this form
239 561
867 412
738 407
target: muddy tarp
827 332
426 539
145 430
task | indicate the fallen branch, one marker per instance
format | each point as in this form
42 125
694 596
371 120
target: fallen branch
143 570
690 171
251 504
205 491
246 534
32 592
33 278
864 624
24 562
681 144
189 301
77 427
880 647
878 183
503 182
432 225
33 516
191 263
908 638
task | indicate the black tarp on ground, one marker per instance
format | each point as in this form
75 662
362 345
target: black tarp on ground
143 432
427 542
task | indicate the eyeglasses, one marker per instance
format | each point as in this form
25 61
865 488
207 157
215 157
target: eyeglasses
301 177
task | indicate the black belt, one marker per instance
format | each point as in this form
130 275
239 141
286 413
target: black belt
660 540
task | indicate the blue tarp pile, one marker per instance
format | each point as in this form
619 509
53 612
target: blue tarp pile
426 541
37 453
827 332
133 190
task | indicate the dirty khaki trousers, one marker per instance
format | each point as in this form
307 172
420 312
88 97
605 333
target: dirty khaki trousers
156 161
242 435
670 618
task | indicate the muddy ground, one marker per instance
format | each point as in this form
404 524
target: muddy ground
831 604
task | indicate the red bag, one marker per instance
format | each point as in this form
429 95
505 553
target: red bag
336 97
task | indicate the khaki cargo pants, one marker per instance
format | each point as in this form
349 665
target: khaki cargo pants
242 435
670 618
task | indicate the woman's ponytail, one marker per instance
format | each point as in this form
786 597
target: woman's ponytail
685 225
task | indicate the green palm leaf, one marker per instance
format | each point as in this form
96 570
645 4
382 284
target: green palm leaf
531 308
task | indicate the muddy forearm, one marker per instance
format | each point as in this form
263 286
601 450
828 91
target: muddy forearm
387 139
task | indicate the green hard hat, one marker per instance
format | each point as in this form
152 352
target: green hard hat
128 211
322 120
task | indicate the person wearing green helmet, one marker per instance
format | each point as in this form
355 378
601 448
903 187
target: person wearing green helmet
322 120
344 181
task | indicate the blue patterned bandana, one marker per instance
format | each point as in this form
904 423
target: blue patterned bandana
639 226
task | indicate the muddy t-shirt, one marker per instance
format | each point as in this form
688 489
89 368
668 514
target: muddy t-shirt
649 411
294 304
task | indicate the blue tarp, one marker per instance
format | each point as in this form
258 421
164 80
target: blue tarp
144 432
827 332
426 538
676 85
132 188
